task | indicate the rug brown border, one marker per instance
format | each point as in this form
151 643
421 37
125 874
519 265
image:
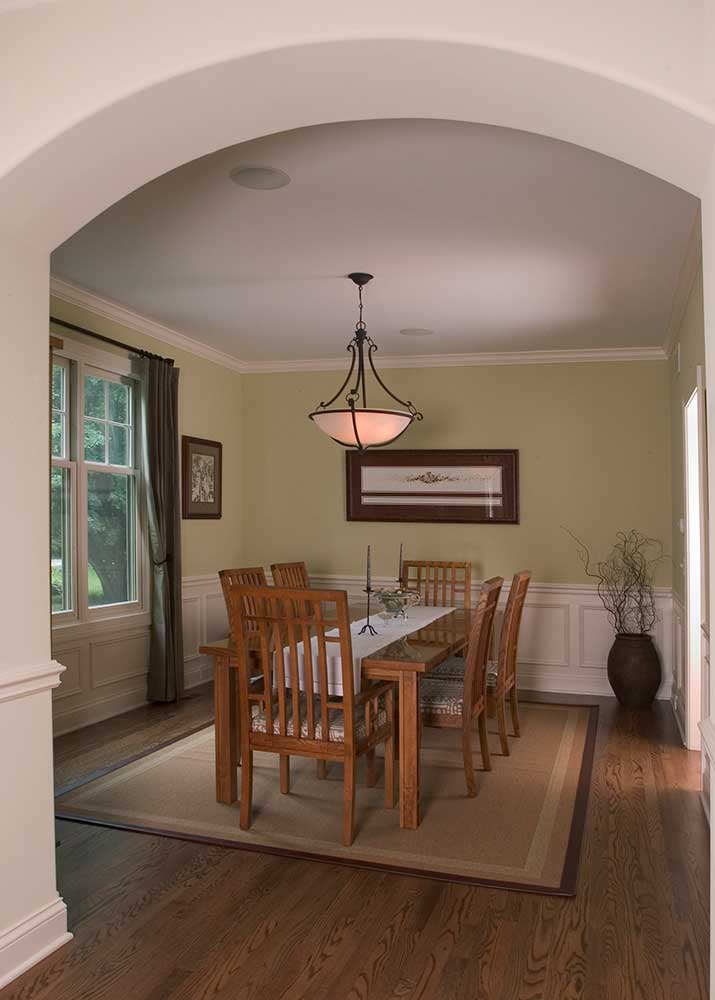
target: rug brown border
569 874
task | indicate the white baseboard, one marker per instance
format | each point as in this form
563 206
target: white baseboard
32 939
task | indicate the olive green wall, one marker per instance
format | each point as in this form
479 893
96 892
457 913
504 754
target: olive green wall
691 339
594 455
210 406
594 442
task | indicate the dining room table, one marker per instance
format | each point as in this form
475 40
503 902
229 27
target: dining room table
405 659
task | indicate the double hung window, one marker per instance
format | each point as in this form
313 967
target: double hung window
95 525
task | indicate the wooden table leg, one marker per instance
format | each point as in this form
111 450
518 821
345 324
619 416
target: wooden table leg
409 750
226 717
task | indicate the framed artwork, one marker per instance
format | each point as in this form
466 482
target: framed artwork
450 486
200 478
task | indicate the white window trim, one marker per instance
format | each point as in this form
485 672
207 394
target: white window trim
136 612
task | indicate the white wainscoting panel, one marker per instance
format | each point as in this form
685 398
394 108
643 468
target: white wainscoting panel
565 635
205 621
106 670
565 638
564 643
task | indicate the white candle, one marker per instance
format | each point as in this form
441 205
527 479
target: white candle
399 572
368 569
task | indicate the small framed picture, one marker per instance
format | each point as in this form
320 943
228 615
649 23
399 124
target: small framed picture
200 478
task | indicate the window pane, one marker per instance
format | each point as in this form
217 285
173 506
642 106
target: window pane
111 519
58 444
94 402
58 387
118 402
118 445
94 439
60 567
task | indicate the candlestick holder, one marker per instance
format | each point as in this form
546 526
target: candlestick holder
367 627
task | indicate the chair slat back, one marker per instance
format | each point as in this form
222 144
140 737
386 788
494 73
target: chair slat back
439 584
253 576
511 624
287 620
480 637
293 575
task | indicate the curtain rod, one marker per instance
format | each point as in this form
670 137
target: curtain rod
110 340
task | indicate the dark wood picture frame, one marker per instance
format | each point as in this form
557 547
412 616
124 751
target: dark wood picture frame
193 508
497 507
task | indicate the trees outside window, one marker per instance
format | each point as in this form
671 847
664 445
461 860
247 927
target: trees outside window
93 489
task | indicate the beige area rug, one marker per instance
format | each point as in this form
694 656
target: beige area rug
522 831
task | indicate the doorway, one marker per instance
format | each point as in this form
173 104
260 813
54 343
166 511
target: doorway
694 560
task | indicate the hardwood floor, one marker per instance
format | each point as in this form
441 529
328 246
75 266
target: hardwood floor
155 918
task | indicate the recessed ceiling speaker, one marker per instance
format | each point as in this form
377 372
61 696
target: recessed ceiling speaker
259 178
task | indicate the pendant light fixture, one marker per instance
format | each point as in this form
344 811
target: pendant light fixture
358 425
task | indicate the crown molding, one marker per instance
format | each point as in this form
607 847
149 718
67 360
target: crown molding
75 295
467 360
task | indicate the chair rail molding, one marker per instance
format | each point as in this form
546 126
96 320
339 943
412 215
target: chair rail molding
565 634
30 679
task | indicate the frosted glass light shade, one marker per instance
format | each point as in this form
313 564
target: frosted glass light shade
375 427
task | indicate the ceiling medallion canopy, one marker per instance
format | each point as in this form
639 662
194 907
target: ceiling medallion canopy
358 425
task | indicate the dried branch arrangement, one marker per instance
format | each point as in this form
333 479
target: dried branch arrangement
625 580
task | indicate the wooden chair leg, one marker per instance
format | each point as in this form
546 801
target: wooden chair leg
371 777
348 801
501 719
285 773
238 726
322 769
468 762
246 790
390 752
484 742
514 704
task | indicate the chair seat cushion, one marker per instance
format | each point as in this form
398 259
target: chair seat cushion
452 668
442 695
336 721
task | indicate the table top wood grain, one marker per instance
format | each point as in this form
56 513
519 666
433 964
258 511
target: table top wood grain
415 651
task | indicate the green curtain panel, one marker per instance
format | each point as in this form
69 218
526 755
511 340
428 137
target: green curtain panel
159 427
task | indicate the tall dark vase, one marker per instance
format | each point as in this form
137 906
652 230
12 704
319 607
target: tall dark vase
634 670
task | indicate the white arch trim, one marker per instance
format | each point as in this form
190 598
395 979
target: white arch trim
97 156
98 160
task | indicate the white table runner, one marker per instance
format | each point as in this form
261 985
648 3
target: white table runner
363 645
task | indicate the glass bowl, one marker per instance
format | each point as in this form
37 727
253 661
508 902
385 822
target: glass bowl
395 602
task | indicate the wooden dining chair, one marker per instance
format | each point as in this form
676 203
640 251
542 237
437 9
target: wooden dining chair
458 702
238 577
501 669
439 584
501 673
293 574
296 713
249 576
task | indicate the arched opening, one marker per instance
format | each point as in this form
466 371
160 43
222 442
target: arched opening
47 196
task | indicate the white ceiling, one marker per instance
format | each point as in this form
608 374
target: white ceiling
498 240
